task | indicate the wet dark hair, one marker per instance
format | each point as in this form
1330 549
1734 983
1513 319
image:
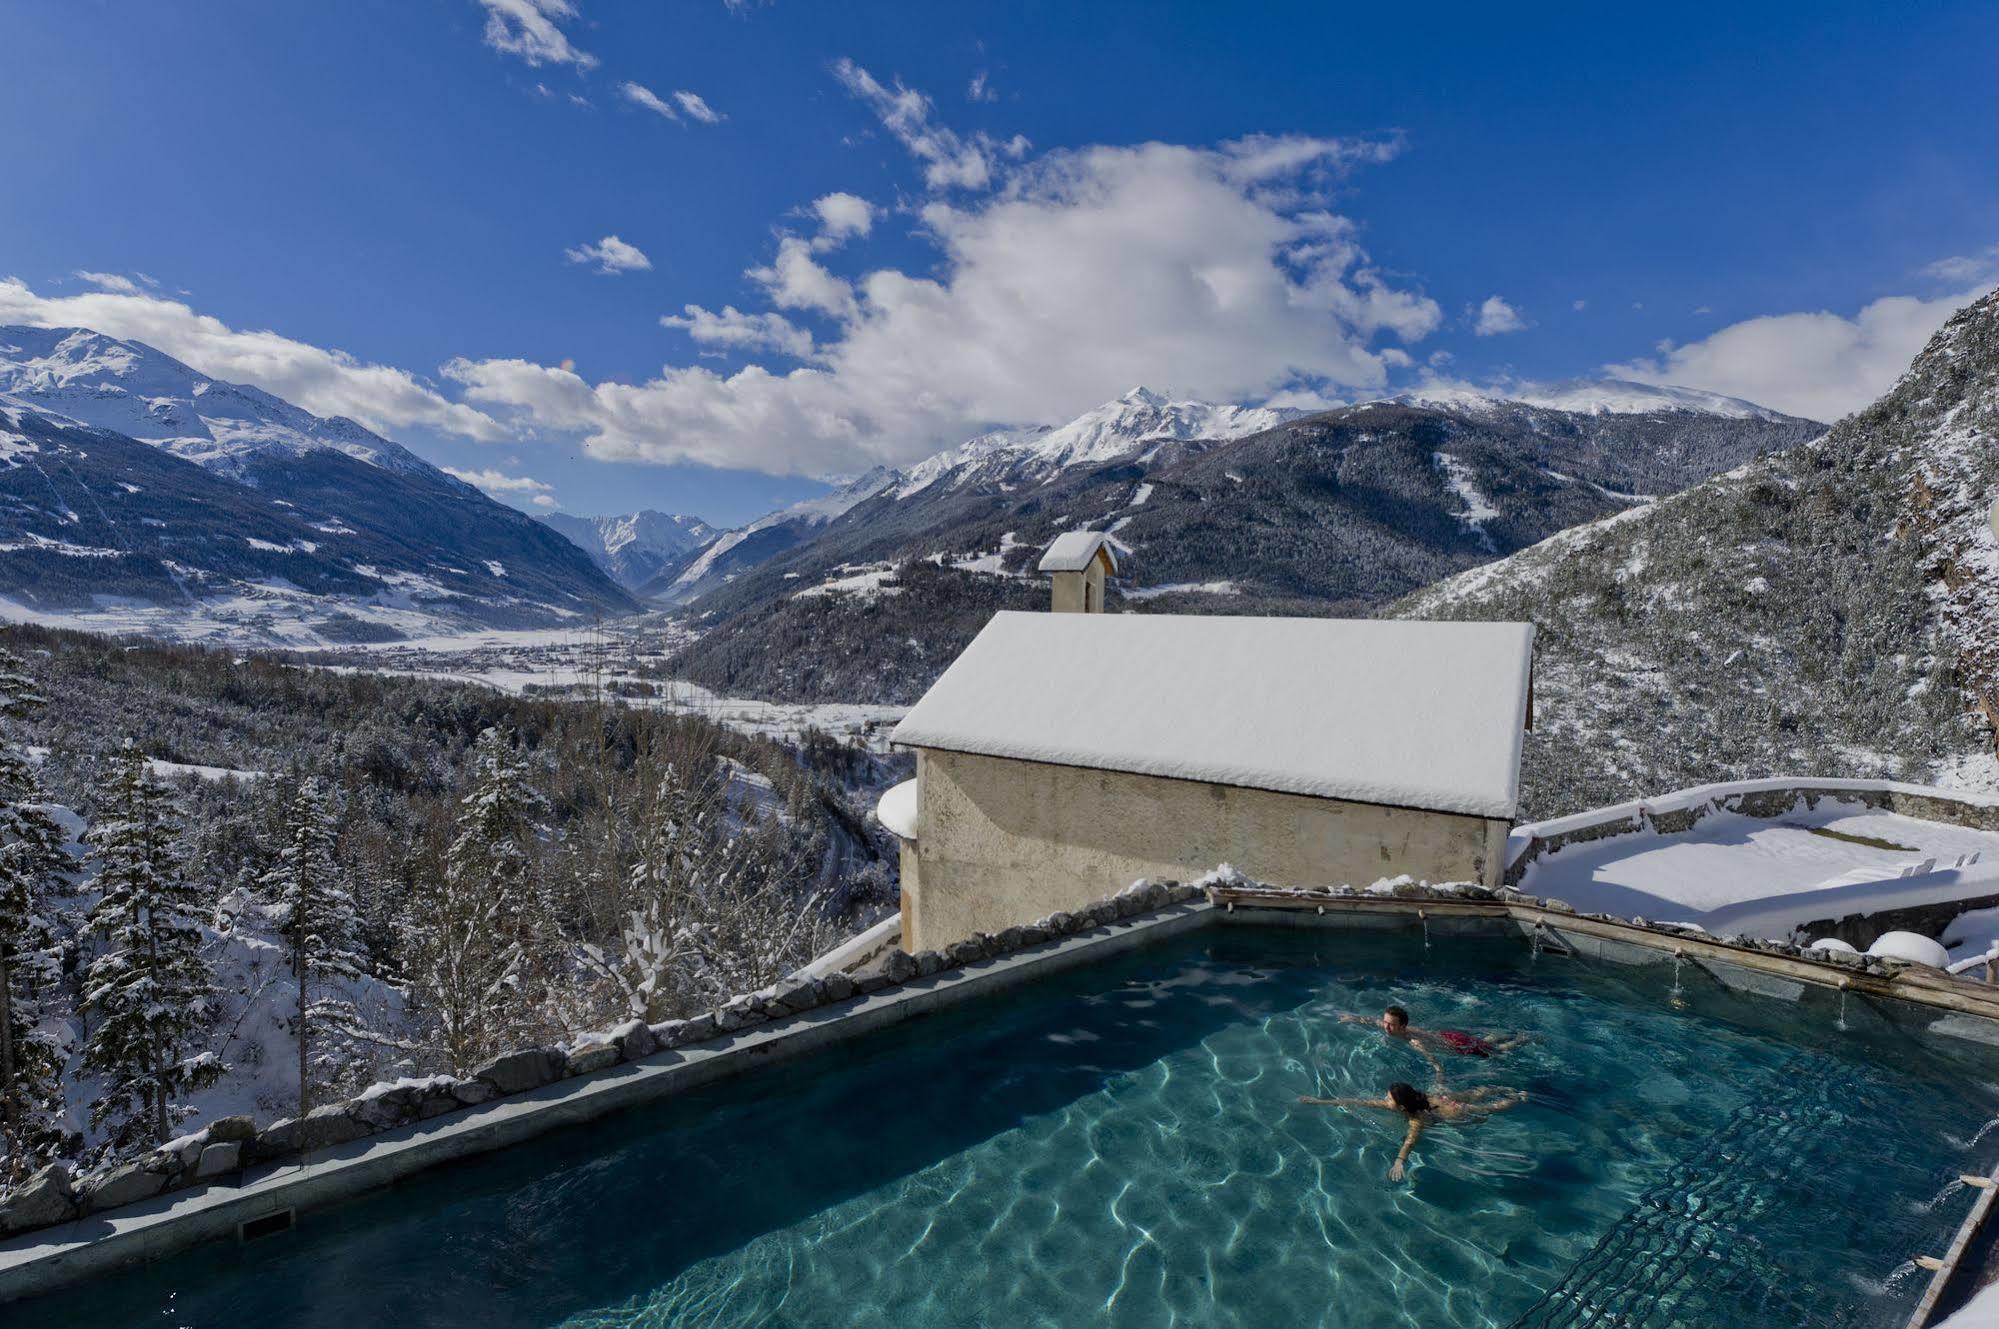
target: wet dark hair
1397 1014
1409 1098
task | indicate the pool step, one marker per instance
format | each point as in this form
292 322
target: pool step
1686 1253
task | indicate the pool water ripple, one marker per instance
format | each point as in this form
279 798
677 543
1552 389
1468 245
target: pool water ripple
1125 1147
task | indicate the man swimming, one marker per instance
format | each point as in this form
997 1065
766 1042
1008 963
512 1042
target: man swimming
1440 1104
1394 1023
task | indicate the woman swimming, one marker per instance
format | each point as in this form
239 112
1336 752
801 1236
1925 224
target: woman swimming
1440 1104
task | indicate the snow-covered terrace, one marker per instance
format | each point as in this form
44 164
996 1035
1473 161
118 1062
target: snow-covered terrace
1759 863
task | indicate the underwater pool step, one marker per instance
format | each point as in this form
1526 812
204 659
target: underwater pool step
1686 1253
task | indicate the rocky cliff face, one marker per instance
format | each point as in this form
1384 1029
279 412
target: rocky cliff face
1832 609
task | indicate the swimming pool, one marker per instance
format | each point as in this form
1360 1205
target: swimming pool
1123 1145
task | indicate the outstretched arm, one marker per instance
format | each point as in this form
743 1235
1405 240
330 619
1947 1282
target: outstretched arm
1491 1098
1436 1066
1344 1102
1408 1143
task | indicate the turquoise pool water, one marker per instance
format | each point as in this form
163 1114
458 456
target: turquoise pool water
1124 1146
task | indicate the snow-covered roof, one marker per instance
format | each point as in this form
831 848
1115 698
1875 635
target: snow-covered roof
1414 714
1072 551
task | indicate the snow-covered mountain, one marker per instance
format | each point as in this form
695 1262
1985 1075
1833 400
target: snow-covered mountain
1601 396
1010 459
1832 609
730 554
231 514
1341 511
1104 434
635 547
131 389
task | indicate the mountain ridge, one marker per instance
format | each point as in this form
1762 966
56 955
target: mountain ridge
1335 512
233 512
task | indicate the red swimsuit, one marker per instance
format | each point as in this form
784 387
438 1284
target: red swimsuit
1464 1044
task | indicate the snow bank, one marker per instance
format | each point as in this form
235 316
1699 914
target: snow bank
1763 876
897 810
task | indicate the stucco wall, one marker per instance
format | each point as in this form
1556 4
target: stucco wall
1003 842
1078 592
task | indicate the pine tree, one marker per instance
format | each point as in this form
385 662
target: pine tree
315 916
31 861
150 988
679 827
488 933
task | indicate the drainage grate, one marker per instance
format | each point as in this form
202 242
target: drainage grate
1686 1253
269 1225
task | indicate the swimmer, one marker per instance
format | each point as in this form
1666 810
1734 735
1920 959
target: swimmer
1395 1024
1440 1104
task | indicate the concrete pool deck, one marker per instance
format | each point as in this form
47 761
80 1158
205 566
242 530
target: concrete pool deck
53 1257
1766 857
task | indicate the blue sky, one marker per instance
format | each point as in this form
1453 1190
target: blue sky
1034 207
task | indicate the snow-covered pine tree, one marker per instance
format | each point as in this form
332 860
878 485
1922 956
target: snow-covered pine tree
680 828
149 989
32 1128
488 933
747 923
315 918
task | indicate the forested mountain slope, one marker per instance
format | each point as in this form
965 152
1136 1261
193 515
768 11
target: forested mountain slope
1828 610
1335 513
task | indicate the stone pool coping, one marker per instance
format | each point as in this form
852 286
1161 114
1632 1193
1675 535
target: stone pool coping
52 1257
1863 975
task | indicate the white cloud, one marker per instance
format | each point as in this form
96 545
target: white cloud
498 484
950 160
1214 272
1496 317
1579 305
1959 270
611 255
795 280
531 29
326 382
689 104
842 216
980 89
696 109
111 281
737 331
1818 365
640 94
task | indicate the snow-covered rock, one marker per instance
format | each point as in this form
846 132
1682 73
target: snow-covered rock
1833 944
1911 946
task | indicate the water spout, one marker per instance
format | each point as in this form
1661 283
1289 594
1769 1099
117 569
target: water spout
1424 918
1840 1024
1679 959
